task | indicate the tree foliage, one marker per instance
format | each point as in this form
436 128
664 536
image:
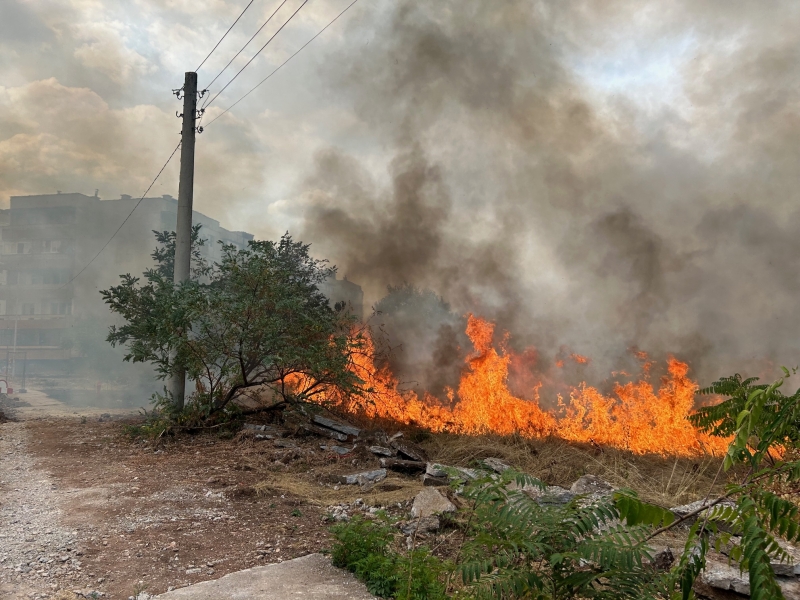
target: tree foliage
254 319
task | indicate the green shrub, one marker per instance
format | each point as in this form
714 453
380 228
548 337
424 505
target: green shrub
366 548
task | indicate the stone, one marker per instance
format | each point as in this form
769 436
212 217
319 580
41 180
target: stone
285 443
591 484
363 477
496 465
436 470
340 450
423 525
409 449
551 495
429 502
686 509
382 451
336 425
325 432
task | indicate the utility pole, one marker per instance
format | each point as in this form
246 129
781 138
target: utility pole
183 229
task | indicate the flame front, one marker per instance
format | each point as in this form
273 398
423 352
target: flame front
636 417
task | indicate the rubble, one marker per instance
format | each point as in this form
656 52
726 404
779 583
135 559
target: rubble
340 450
338 426
429 502
363 478
420 525
686 509
325 432
663 559
719 575
430 481
382 451
496 465
409 449
591 484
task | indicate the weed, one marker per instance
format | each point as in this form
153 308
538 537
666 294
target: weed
296 513
367 549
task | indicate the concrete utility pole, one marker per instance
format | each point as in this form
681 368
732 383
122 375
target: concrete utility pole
183 230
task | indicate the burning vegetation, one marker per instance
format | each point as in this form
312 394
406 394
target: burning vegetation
635 416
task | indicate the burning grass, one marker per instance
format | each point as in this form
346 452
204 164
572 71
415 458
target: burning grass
637 416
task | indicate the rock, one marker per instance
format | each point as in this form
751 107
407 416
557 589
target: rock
430 481
423 525
364 477
551 495
409 449
686 509
496 465
403 466
336 425
285 444
722 576
340 450
436 470
382 451
193 571
663 559
782 569
429 502
591 484
265 430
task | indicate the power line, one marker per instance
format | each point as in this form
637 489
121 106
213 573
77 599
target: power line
283 63
126 218
246 44
210 102
226 33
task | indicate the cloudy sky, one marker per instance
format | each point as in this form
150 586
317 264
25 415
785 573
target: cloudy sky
596 174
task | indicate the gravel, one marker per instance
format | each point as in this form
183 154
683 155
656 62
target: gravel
37 555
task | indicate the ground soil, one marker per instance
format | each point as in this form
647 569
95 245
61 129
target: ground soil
86 507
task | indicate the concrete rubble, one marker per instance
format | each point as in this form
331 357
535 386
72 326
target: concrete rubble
430 502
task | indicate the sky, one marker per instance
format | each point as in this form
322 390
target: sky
592 174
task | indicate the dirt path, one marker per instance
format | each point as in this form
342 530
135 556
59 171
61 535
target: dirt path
85 509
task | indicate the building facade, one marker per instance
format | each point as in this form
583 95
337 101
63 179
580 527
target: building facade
47 239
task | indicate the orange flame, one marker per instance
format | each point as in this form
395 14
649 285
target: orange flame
636 417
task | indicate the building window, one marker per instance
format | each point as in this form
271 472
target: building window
13 278
28 308
52 247
60 308
21 248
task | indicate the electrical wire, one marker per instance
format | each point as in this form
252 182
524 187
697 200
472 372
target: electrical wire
283 63
210 102
225 34
246 44
125 220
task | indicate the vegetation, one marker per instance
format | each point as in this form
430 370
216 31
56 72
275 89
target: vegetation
366 549
516 546
256 319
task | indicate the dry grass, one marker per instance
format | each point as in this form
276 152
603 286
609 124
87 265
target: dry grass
666 481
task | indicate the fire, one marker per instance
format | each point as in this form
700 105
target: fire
635 417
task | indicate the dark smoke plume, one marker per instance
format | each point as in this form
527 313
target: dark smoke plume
517 192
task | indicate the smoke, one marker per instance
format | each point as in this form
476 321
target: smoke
534 180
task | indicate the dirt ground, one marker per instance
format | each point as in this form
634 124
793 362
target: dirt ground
85 507
98 511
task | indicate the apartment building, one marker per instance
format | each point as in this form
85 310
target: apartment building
47 239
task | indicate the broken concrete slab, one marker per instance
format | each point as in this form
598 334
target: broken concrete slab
344 428
383 451
429 502
340 450
363 477
591 484
409 449
421 525
310 577
496 465
436 470
325 432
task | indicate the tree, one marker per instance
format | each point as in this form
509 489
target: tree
255 319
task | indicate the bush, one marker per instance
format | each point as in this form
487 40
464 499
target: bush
366 549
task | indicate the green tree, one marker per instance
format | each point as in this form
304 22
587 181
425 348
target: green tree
255 319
